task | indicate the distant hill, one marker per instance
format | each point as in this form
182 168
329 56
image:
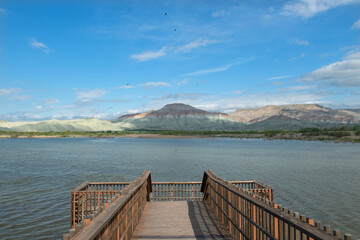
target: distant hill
178 116
353 112
281 122
4 129
61 125
278 122
301 112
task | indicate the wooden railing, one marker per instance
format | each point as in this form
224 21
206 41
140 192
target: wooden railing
190 191
256 187
176 191
249 216
119 217
88 197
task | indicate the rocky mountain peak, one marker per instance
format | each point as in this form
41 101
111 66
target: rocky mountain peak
281 118
179 108
302 112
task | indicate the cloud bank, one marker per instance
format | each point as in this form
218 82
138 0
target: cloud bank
296 41
145 56
344 73
309 8
150 85
195 44
356 24
90 95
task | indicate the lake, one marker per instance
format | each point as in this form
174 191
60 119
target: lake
318 179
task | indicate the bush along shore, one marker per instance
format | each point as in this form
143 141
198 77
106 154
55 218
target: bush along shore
342 134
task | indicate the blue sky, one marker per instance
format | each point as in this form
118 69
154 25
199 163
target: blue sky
71 59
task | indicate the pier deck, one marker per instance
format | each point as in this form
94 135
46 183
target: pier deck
179 220
211 209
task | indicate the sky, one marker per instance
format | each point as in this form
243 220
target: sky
102 59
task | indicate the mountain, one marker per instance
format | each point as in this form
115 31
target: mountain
301 112
61 125
178 116
353 112
281 122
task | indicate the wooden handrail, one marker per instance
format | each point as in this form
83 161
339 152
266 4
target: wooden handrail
120 218
249 217
81 187
90 196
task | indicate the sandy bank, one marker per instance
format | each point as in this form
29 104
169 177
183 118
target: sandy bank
152 136
159 136
286 136
5 136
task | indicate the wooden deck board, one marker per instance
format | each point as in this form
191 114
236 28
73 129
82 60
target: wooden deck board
178 220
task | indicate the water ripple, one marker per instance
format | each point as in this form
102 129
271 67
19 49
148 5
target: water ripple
314 178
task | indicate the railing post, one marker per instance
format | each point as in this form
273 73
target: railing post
229 211
72 209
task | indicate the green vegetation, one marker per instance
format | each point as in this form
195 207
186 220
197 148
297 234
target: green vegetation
340 134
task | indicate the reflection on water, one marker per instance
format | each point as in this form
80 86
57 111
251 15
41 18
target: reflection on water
317 179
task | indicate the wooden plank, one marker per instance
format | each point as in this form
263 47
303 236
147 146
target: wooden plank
179 220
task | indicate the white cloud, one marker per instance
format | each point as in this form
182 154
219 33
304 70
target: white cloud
296 41
237 92
89 95
217 69
220 13
9 91
125 87
13 94
356 24
150 85
181 96
133 111
309 8
344 73
298 88
50 101
19 97
183 82
211 70
41 46
277 77
298 57
195 44
277 83
145 56
220 69
229 105
38 107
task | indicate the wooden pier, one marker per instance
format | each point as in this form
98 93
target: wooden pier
211 209
179 220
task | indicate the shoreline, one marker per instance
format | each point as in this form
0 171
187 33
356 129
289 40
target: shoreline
297 136
150 136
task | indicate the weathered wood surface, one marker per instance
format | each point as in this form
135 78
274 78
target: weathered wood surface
179 220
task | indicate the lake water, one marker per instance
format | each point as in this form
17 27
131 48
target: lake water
318 179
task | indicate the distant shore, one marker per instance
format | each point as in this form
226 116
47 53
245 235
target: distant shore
335 135
150 135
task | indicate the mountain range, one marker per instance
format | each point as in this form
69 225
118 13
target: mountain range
178 116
